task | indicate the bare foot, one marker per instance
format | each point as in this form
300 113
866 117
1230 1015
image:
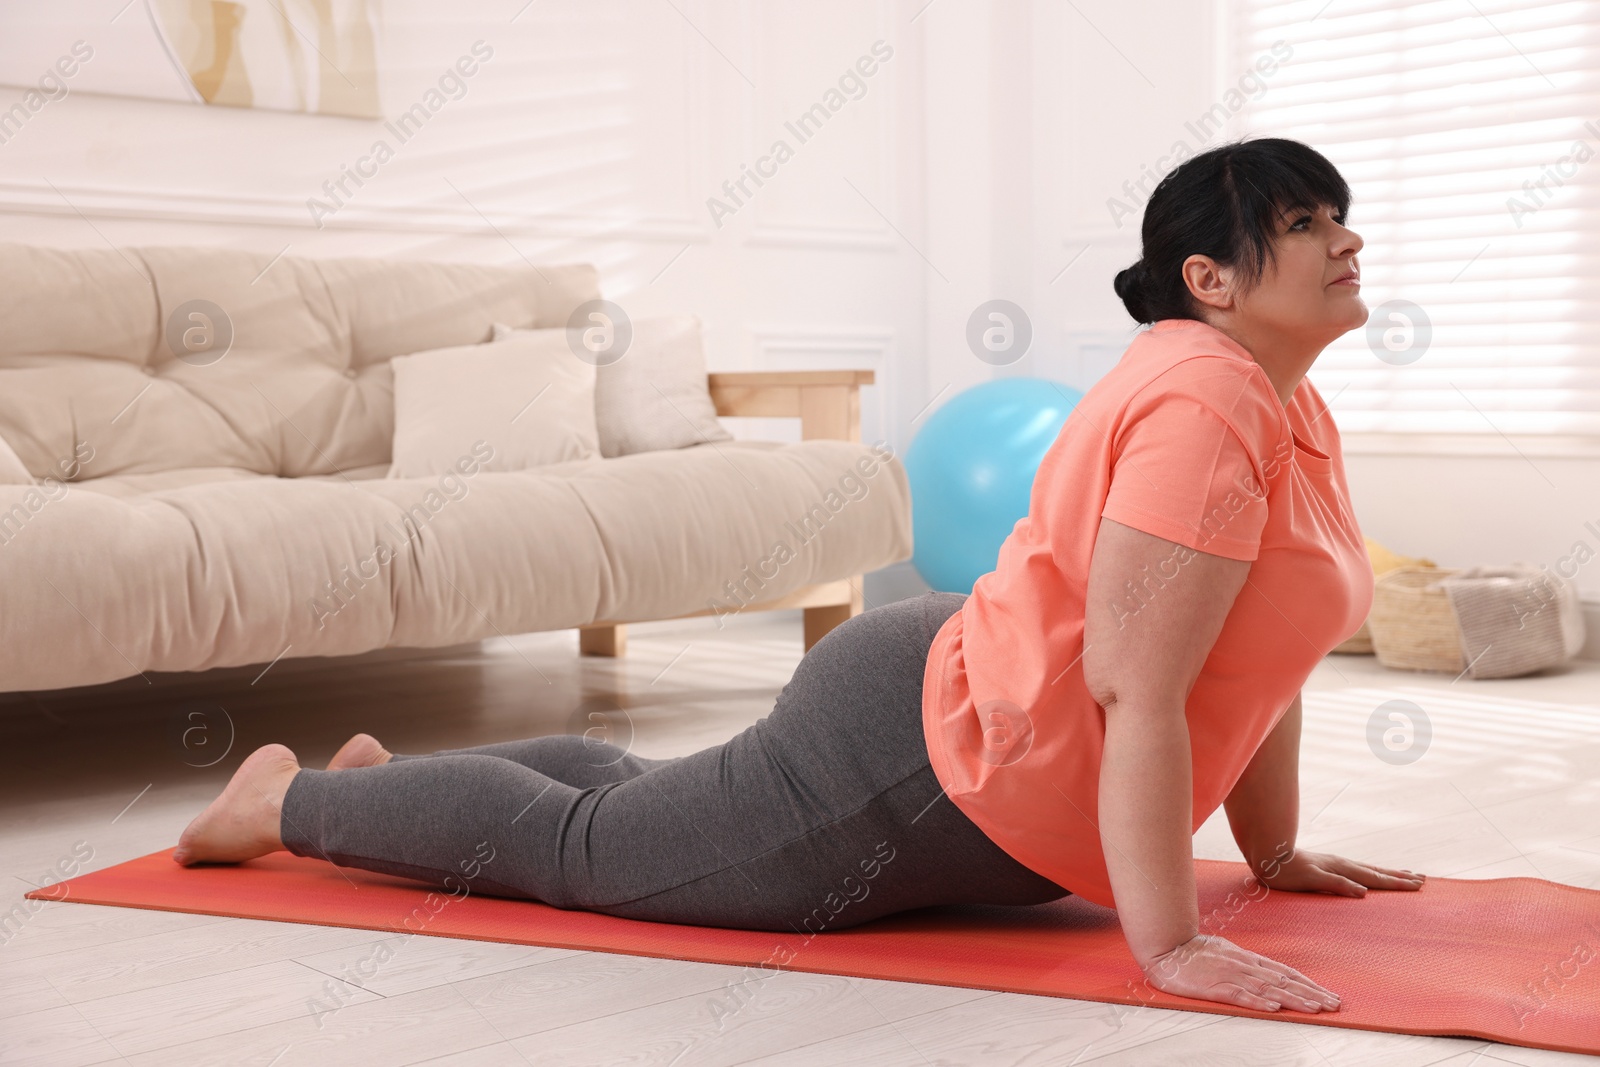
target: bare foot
362 750
242 823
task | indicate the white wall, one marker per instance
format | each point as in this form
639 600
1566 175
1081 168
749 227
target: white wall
596 132
978 164
1042 114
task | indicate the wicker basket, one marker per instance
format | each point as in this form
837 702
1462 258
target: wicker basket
1383 561
1413 627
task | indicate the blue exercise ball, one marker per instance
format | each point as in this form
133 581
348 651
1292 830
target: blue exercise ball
971 469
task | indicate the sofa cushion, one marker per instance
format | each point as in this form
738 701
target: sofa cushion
284 371
656 394
241 568
516 403
12 471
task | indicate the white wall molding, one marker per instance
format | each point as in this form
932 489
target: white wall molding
838 347
796 233
1075 237
194 206
697 122
870 345
803 235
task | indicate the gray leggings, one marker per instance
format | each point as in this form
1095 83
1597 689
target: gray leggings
822 815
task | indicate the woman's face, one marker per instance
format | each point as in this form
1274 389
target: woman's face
1310 288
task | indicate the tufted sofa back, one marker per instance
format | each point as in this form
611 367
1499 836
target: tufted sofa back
102 352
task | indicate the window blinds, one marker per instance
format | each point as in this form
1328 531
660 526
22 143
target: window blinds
1469 131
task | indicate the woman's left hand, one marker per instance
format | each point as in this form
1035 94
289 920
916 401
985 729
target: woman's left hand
1319 872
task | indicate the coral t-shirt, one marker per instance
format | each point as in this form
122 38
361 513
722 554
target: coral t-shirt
1186 439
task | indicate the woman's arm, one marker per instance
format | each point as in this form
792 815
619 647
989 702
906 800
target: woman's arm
1146 637
1264 813
1141 657
1264 807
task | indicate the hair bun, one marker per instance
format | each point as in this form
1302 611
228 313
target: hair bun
1133 286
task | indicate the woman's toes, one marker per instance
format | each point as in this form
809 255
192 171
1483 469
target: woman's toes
242 823
362 750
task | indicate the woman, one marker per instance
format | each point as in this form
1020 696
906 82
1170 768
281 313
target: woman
1133 662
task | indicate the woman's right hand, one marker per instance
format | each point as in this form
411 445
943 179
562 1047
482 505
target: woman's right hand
1207 967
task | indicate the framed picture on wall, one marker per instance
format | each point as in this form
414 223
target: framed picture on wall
312 56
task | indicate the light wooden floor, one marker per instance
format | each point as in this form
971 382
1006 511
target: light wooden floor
1509 786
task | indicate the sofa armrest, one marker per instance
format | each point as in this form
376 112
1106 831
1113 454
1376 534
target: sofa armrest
827 402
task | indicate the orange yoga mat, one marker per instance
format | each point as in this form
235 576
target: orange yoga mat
1515 960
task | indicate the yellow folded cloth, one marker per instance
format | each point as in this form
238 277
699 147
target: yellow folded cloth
1383 560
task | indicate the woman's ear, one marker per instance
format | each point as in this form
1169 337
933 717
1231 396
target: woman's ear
1208 282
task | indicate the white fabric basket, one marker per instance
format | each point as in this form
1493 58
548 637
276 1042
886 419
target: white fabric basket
1515 619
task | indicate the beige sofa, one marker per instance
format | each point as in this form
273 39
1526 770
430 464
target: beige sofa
190 516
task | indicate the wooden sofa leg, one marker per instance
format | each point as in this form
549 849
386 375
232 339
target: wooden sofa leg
819 620
609 640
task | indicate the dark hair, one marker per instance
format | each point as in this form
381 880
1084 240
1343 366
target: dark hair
1223 203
